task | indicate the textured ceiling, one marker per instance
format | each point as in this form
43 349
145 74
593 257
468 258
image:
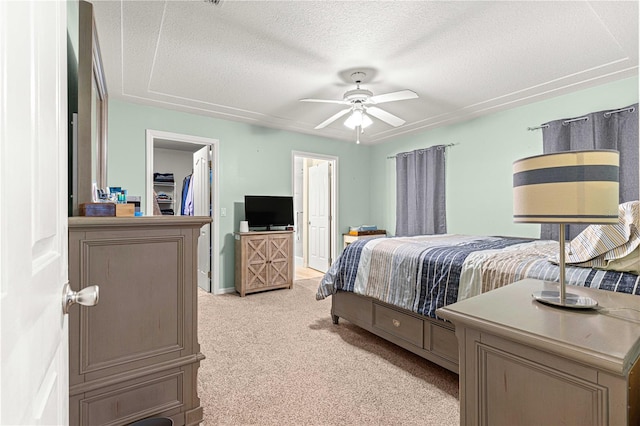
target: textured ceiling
252 61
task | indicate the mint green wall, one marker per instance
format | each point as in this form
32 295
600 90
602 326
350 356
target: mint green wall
478 182
252 160
257 160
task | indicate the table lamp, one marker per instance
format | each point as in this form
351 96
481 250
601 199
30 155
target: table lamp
566 187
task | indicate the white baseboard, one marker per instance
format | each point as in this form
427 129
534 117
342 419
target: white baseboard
226 290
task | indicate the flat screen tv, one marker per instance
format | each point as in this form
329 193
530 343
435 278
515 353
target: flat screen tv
268 211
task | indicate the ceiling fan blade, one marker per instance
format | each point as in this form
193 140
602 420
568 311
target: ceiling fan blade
331 119
400 95
328 101
385 116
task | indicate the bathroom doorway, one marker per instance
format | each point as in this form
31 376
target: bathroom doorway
315 205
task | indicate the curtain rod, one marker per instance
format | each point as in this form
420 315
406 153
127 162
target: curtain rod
446 146
565 122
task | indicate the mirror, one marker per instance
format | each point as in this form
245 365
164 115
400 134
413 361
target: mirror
89 150
98 118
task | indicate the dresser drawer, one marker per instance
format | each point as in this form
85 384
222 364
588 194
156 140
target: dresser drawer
130 401
398 324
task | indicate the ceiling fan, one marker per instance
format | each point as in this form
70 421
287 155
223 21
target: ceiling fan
362 104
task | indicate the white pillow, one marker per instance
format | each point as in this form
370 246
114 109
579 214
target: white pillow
598 244
629 263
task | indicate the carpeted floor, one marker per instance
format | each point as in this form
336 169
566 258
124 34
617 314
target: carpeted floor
276 358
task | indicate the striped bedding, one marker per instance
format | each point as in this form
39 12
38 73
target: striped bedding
424 273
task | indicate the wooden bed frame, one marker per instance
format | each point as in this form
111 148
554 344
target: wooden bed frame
432 339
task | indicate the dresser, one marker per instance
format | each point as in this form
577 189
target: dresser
136 353
522 362
264 261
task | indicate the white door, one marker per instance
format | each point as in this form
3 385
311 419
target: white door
319 216
33 213
202 207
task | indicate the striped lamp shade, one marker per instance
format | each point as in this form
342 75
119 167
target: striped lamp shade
566 187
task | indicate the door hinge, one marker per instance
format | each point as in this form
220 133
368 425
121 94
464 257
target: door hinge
209 274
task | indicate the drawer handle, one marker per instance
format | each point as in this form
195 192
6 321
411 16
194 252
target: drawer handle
395 322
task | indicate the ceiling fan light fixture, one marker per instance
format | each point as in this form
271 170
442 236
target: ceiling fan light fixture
363 105
358 119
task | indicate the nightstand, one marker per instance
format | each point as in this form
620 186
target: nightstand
522 362
348 238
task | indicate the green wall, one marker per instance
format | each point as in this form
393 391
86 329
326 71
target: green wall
479 175
258 160
252 160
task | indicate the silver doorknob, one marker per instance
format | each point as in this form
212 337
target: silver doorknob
88 296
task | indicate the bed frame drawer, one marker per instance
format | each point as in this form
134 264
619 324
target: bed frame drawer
441 340
398 324
360 307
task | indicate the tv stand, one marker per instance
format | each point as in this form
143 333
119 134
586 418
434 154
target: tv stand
264 261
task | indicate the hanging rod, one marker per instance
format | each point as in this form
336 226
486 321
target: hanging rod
608 113
565 122
542 126
446 146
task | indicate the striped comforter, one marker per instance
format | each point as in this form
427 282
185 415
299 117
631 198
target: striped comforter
424 273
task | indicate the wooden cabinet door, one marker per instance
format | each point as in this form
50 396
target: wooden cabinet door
279 254
257 255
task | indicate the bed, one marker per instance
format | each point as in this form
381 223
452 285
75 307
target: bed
393 287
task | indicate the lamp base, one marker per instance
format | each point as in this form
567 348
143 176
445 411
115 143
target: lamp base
572 301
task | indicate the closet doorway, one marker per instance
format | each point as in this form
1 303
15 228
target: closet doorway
315 205
189 168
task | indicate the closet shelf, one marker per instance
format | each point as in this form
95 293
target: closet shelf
166 193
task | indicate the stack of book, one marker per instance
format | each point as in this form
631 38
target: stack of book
366 230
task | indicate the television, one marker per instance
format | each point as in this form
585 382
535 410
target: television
264 211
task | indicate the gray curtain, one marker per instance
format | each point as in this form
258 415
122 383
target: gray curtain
598 130
420 192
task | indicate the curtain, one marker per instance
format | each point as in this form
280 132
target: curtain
598 130
420 192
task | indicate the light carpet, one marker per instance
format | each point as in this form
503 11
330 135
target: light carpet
276 358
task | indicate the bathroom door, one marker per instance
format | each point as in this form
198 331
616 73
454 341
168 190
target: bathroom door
319 216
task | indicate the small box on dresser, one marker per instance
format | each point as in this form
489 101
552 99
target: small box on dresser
98 209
